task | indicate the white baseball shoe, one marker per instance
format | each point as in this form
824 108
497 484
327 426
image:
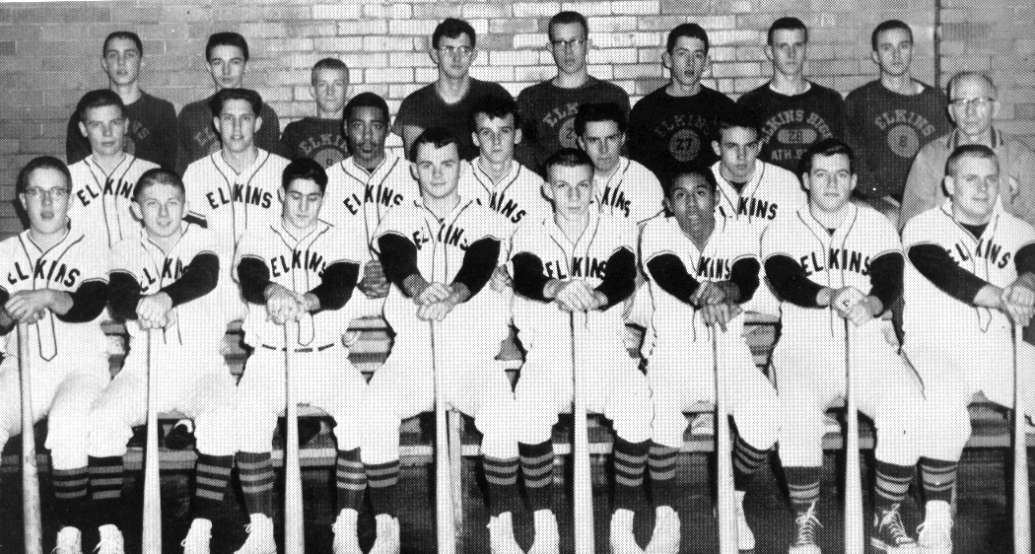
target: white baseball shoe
936 530
501 535
622 539
745 538
69 541
111 540
889 534
665 538
198 537
346 539
806 540
547 539
388 541
260 536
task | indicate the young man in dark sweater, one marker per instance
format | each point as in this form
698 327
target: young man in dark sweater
321 138
151 130
795 112
548 109
671 129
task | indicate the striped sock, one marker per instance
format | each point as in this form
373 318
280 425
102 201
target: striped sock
351 479
803 486
211 475
256 473
939 478
662 464
630 463
537 470
746 461
501 478
892 485
106 476
70 487
383 480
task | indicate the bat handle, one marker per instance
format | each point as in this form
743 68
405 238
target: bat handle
854 537
723 462
151 537
33 521
1021 494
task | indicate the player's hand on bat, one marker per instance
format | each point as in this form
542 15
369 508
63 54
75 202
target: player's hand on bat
720 314
374 283
436 311
859 313
153 310
1018 301
575 296
708 293
843 299
434 292
282 305
24 306
501 279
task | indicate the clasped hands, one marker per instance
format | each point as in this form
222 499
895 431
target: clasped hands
283 305
852 304
29 306
713 300
1017 300
436 300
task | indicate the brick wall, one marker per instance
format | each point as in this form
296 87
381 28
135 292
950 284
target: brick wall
49 53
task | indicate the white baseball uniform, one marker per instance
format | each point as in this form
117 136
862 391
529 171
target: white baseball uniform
101 200
959 348
69 357
519 195
809 358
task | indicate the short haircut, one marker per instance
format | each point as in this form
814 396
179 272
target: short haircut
827 147
955 82
689 30
435 136
157 176
366 100
220 98
567 157
979 151
41 162
607 111
452 28
786 23
329 63
495 106
305 169
567 18
739 116
226 38
98 99
668 184
889 25
128 35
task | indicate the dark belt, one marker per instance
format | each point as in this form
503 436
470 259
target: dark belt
306 349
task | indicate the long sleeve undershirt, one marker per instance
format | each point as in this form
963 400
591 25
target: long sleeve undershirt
935 264
792 285
254 276
671 275
198 279
618 283
88 302
399 260
335 288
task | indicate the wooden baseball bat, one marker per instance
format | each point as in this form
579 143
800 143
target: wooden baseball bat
854 538
581 476
445 524
294 524
151 538
32 519
724 464
1021 514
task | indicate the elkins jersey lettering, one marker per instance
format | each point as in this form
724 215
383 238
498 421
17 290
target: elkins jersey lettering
631 191
772 190
356 197
101 200
519 195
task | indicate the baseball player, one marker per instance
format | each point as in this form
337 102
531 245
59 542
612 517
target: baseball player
298 272
161 285
321 137
701 269
833 262
55 281
102 183
572 271
439 251
970 276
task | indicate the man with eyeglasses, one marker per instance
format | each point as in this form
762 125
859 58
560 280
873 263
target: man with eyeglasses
447 103
548 109
973 104
151 122
671 128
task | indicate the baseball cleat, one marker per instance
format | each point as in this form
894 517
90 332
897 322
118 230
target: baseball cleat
346 539
665 538
260 536
501 535
388 541
111 540
198 537
889 534
806 541
745 538
547 539
622 539
935 533
69 541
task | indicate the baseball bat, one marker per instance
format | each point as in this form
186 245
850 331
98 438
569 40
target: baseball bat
854 539
33 520
445 524
294 524
581 476
151 538
1021 514
724 463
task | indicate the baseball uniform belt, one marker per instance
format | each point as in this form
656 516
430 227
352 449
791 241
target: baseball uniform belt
306 349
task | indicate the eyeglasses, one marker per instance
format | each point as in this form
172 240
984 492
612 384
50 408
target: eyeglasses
463 51
565 44
980 102
36 193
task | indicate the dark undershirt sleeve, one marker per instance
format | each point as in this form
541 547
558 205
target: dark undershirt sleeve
4 297
1025 259
124 290
744 274
934 263
254 276
336 285
198 279
529 277
619 277
88 302
670 273
478 265
398 259
790 282
886 278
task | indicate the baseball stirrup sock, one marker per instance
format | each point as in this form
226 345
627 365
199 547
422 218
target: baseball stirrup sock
661 460
939 478
746 461
501 480
351 479
892 484
69 495
537 471
803 486
106 476
630 463
383 480
256 473
211 476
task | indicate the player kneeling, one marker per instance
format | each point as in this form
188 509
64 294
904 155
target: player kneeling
700 272
299 271
971 276
439 251
822 256
572 271
161 285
